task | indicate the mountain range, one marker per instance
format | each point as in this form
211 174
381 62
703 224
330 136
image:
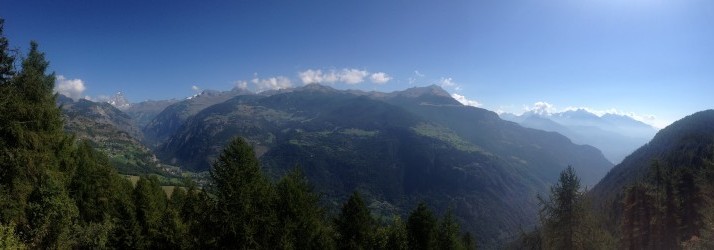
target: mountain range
397 148
615 135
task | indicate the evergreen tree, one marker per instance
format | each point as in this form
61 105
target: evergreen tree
7 60
173 232
664 210
468 241
422 228
532 240
448 235
243 212
35 157
566 218
7 171
92 189
195 213
8 238
150 201
665 217
50 214
561 213
126 231
300 215
355 225
690 202
394 236
638 215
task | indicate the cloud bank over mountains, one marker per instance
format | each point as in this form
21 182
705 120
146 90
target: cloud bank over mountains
347 76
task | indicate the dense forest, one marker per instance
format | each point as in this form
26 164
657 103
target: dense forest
58 192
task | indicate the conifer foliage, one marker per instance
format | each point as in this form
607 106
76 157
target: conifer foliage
567 221
664 210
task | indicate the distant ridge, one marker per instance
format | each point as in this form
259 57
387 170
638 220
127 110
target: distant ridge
615 135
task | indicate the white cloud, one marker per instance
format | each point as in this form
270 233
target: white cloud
413 79
73 88
241 84
272 83
195 88
347 76
448 82
353 76
380 78
541 108
311 76
465 101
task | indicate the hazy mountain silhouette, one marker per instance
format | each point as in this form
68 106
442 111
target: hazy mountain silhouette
615 135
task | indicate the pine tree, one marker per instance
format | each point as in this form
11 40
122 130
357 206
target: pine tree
639 209
468 241
448 235
173 232
7 171
690 203
560 213
150 203
566 218
665 216
35 157
195 212
422 228
92 189
300 215
243 212
394 236
127 230
50 214
8 238
7 60
355 225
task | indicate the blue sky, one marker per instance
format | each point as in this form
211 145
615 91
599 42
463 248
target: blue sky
649 58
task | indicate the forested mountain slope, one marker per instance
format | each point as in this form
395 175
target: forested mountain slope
111 131
660 196
688 143
398 148
164 124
